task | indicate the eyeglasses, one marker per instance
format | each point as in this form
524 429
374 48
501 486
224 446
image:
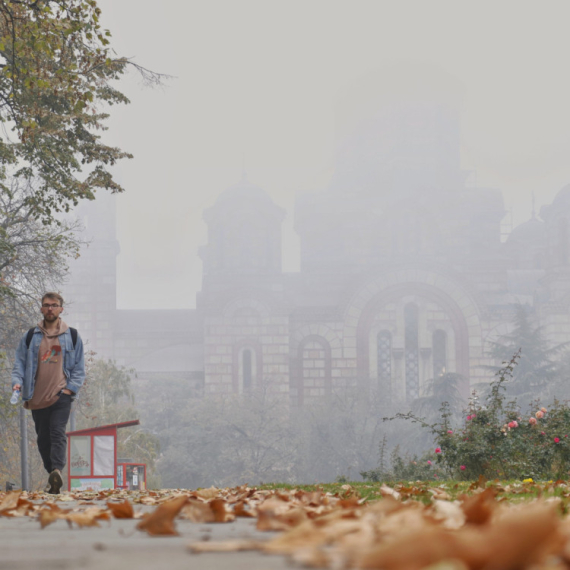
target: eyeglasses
46 306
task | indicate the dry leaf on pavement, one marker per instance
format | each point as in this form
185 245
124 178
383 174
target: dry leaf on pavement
49 515
241 510
161 521
221 512
210 493
122 510
10 501
197 511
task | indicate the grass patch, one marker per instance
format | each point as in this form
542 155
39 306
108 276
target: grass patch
427 491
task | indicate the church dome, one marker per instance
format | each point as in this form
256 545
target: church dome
243 191
531 232
241 197
244 232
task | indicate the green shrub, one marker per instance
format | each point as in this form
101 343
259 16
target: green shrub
496 440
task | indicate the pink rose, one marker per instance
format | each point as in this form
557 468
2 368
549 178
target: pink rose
468 418
539 414
542 433
449 431
462 467
429 462
543 410
556 439
532 421
513 424
438 449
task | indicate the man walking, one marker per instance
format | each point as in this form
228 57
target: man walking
49 370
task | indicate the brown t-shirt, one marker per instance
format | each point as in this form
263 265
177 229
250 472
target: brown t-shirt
50 378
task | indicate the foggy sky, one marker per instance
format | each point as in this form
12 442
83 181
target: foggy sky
258 84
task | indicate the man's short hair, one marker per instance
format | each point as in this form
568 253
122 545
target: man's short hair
51 295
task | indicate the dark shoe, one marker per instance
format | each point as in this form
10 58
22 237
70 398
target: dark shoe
55 481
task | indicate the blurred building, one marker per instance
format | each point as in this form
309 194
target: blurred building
404 275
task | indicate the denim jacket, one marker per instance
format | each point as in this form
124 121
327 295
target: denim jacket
26 363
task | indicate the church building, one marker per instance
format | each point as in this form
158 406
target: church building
404 275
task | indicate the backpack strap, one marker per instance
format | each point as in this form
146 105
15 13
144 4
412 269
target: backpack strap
73 336
30 334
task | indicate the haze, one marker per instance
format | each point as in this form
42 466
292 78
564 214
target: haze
258 85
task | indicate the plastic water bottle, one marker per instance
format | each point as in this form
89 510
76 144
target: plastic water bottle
15 397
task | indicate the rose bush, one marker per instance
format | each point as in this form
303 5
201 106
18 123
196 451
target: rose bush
497 440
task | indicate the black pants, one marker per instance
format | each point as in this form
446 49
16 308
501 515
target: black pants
50 426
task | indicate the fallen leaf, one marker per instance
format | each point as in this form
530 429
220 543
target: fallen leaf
210 493
386 491
197 511
148 501
302 536
161 520
449 513
416 550
410 517
48 516
525 536
122 510
10 501
221 513
65 498
268 519
240 510
98 513
81 519
479 508
440 495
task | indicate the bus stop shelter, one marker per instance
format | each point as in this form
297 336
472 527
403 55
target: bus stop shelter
92 458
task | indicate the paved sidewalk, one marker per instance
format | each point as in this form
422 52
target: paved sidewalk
117 545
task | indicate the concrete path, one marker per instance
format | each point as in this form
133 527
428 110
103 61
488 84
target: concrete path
117 545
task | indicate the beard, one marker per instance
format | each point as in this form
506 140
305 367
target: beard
50 318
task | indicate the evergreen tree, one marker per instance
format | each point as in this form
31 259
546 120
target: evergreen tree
539 368
446 387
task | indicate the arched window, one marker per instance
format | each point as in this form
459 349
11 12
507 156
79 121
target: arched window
439 341
246 370
411 348
384 352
